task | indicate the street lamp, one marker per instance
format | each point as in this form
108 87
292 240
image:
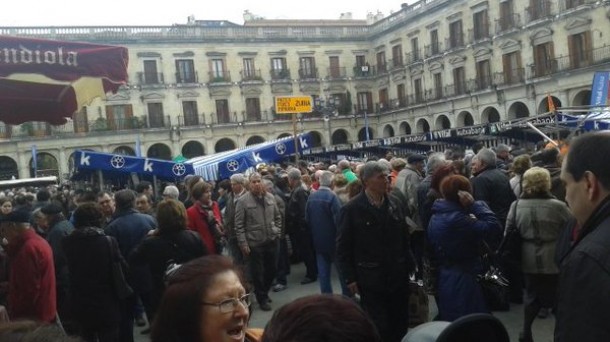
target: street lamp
327 106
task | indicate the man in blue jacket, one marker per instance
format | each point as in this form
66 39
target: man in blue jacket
321 213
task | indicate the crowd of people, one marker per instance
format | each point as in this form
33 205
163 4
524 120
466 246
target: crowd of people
194 259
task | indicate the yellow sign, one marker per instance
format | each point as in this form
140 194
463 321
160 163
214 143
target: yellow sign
293 104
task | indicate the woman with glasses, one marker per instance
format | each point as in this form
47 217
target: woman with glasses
206 300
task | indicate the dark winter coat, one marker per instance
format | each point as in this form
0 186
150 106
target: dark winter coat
493 186
321 213
93 297
456 236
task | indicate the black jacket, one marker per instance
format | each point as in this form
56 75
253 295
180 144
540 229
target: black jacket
93 298
295 210
492 186
583 303
373 245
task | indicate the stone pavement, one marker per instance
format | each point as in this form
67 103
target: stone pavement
512 320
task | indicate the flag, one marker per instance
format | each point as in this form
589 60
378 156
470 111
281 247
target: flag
550 102
34 160
138 147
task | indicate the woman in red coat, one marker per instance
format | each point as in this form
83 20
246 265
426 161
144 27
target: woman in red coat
205 218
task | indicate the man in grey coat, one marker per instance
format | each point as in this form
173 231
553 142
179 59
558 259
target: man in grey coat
583 304
258 228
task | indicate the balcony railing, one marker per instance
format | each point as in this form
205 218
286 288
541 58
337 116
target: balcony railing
362 108
336 73
218 76
414 57
510 22
456 89
482 83
251 75
565 5
417 98
479 33
365 71
280 74
541 10
581 59
509 77
455 41
433 49
434 94
382 68
182 78
150 78
546 68
396 63
308 73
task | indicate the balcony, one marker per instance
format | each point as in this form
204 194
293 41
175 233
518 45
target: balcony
417 98
547 68
363 108
510 77
382 68
508 23
456 41
566 5
191 120
581 59
414 57
434 94
540 11
150 78
219 77
251 76
308 74
433 49
280 75
457 89
478 34
336 74
396 63
187 78
364 71
482 83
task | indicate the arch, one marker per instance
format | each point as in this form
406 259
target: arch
192 149
442 122
490 115
316 139
283 135
224 144
255 139
8 168
124 150
582 98
362 133
339 136
159 151
465 119
518 110
404 128
46 165
422 126
388 131
543 107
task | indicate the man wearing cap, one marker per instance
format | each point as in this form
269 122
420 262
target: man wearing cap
31 287
57 228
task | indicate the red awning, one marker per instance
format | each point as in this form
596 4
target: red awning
46 80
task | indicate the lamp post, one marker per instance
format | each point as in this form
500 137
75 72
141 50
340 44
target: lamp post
328 107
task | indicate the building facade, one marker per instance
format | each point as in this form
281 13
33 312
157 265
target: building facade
209 86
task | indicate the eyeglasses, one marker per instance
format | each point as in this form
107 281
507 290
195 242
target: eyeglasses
229 305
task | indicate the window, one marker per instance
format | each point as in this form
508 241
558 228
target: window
438 85
574 3
249 72
459 80
217 70
189 109
400 92
456 35
118 117
365 102
383 99
155 115
222 111
483 74
185 71
150 73
360 60
417 88
307 67
415 50
253 109
539 9
481 25
434 45
397 55
362 68
512 70
381 64
279 69
507 17
544 59
580 49
335 68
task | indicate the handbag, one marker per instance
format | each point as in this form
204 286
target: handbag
119 282
494 284
418 303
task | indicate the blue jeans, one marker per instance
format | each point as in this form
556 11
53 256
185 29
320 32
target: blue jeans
325 262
